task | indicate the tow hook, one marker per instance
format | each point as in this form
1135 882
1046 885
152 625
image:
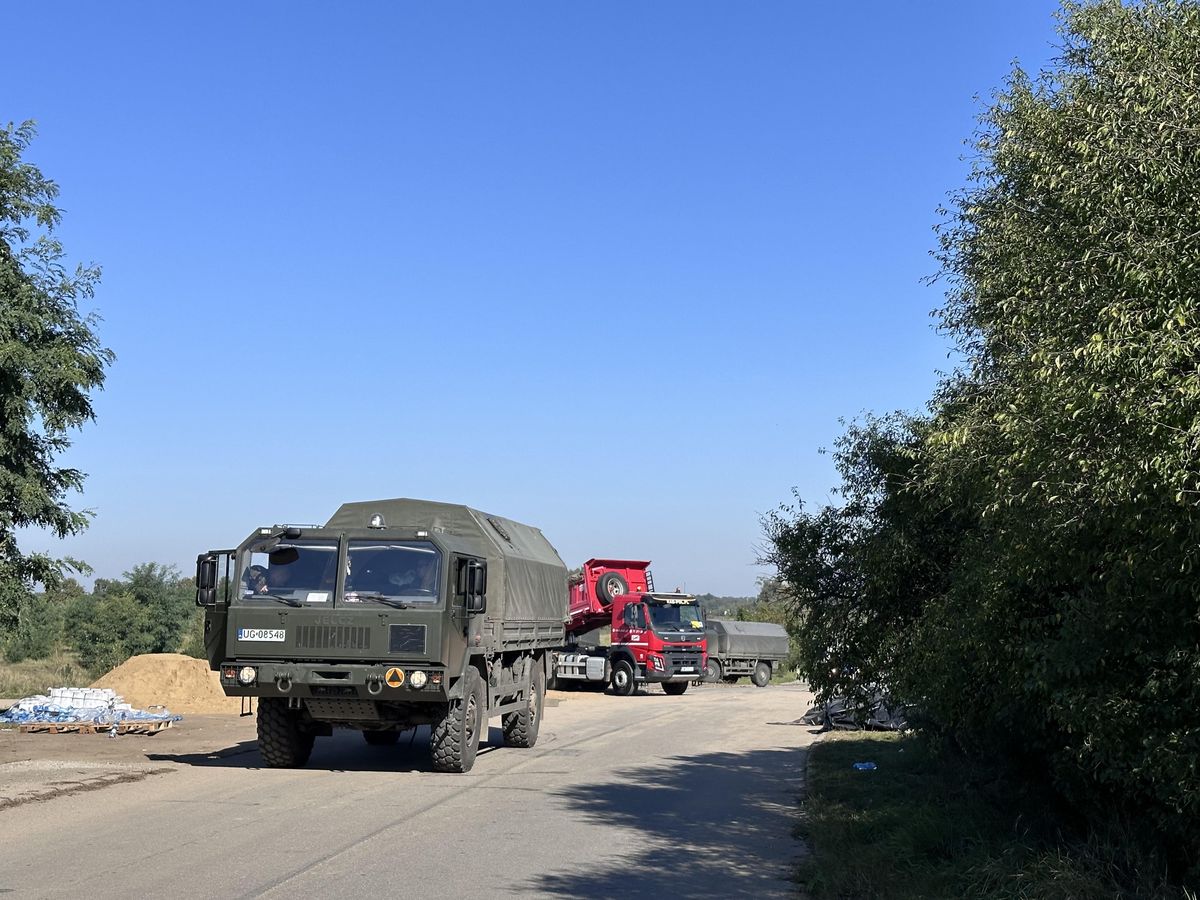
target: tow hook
283 682
374 685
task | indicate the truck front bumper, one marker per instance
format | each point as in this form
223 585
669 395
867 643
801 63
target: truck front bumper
672 670
308 680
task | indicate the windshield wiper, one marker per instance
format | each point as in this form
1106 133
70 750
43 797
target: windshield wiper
382 598
288 600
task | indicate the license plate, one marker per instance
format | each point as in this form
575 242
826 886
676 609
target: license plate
687 668
277 635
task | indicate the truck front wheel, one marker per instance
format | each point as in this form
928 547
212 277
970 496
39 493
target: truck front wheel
712 670
674 688
622 678
282 743
762 675
521 728
454 740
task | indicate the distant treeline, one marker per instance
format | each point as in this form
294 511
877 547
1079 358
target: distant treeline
151 609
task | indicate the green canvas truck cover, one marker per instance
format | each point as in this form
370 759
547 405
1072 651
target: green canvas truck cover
527 581
746 640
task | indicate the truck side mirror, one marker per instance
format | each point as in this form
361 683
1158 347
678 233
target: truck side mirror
477 595
471 585
206 580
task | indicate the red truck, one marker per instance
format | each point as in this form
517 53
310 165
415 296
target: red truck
656 637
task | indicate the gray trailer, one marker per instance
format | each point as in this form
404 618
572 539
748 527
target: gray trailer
394 614
736 649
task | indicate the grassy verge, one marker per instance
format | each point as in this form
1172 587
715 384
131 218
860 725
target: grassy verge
37 676
921 826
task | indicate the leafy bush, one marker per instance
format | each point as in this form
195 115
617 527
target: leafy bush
1022 562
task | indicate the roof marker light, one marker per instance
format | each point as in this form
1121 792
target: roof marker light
377 522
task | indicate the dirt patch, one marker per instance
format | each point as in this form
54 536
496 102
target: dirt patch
180 683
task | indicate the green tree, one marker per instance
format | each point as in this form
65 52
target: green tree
861 574
166 604
1072 270
1022 562
50 361
112 631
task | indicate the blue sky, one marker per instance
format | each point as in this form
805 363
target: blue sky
615 270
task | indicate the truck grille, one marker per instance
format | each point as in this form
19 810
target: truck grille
683 658
332 637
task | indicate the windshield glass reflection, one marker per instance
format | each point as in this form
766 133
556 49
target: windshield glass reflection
676 617
290 573
394 573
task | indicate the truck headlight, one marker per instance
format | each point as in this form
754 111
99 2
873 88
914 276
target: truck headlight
247 675
417 679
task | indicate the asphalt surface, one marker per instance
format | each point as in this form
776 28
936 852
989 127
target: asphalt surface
643 796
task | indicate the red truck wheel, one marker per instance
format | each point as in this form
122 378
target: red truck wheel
622 678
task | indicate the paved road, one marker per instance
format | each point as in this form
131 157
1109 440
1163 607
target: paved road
646 796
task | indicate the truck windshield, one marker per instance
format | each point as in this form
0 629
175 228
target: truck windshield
393 573
676 617
295 573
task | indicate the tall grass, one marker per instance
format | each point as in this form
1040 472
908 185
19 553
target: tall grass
921 825
37 676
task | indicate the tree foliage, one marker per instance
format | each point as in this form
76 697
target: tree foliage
50 362
1022 562
149 610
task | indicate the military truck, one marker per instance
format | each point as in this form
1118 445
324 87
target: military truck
394 614
736 649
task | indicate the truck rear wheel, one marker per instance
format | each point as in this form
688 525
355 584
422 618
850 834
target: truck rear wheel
610 585
712 670
622 678
521 728
454 741
674 688
762 675
282 743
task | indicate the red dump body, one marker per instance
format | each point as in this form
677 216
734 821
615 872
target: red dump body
586 610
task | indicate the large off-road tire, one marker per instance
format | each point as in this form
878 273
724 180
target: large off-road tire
521 727
674 688
381 738
762 674
610 585
623 683
282 742
712 670
454 741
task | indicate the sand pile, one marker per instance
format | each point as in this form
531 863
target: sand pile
180 683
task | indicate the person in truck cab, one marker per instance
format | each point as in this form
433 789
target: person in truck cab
280 577
256 580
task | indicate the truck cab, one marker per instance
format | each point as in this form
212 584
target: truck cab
660 638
